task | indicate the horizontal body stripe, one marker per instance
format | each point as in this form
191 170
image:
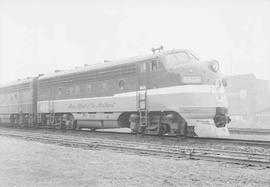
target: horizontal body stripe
179 89
186 101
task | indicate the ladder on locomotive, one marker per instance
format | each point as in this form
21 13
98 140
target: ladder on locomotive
142 107
51 113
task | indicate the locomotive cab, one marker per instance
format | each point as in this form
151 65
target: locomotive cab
190 69
204 79
189 89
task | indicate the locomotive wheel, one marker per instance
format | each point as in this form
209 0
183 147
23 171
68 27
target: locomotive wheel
164 128
92 129
141 130
63 126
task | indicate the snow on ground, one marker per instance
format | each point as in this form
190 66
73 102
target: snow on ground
26 163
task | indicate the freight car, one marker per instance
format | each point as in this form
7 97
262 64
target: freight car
167 92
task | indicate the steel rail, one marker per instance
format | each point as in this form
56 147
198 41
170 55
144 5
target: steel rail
250 131
262 143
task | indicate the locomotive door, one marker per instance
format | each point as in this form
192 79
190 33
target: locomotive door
143 75
50 120
20 101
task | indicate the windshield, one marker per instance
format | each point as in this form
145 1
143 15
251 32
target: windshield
177 59
194 57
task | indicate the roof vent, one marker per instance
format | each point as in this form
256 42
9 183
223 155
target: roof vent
57 71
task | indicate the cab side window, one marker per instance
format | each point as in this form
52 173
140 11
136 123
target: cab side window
182 57
155 65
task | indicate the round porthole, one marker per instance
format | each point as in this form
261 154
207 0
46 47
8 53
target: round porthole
121 84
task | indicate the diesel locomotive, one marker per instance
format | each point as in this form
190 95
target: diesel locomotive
167 92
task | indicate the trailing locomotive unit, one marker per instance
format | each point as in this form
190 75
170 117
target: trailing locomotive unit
18 102
168 92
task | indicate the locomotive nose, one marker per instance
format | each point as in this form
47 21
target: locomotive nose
213 65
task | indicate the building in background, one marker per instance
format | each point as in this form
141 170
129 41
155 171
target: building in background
248 97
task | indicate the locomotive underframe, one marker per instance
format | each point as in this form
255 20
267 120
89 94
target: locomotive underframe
158 123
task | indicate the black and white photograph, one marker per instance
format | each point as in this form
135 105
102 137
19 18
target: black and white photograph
146 93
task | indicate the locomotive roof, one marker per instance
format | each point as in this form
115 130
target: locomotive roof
106 64
91 67
17 82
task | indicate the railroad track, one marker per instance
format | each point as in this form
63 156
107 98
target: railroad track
260 143
239 157
246 142
252 131
201 140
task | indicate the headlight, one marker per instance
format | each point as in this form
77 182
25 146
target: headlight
214 66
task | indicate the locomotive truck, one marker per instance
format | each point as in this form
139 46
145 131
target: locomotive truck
167 92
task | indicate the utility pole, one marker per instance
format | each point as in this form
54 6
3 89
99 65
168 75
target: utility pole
231 64
0 65
268 60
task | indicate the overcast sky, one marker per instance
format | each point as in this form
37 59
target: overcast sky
41 36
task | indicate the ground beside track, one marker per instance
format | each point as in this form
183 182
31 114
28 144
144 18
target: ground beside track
27 163
249 124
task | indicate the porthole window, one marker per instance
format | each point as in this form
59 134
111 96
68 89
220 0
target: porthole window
122 84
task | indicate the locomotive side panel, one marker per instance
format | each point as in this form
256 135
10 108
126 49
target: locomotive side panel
182 99
69 95
104 82
16 102
179 89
